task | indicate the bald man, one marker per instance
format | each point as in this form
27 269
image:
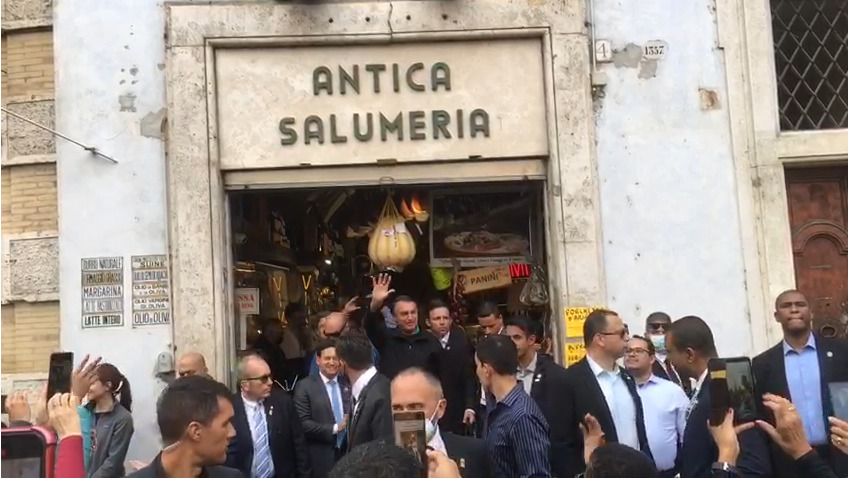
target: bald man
417 390
192 363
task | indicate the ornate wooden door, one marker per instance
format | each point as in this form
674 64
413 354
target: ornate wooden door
818 215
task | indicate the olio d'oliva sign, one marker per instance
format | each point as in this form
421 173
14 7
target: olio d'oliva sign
414 125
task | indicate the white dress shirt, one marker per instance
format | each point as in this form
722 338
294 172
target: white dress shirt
250 408
360 384
620 403
445 340
329 389
664 404
696 389
525 375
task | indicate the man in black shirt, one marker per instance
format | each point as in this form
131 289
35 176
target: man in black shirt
407 346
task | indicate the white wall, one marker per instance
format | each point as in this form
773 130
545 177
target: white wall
109 57
668 195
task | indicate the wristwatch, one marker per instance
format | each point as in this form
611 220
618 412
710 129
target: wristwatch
724 469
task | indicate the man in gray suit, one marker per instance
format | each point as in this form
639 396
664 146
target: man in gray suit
323 405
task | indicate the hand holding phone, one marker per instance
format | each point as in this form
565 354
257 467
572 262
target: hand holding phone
60 373
732 387
411 434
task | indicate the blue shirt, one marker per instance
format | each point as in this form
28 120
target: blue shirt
804 379
665 406
518 436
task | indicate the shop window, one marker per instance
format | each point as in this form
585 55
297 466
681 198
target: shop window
811 57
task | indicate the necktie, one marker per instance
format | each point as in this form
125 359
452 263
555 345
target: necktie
261 451
672 374
338 414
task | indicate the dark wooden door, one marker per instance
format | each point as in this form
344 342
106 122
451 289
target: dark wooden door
818 215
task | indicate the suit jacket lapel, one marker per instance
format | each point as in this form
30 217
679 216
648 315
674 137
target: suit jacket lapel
539 383
322 394
455 453
357 412
595 389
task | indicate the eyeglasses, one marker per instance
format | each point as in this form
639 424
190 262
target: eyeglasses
621 333
263 379
658 326
635 351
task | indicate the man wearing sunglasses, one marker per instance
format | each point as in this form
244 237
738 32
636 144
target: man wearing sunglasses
269 440
598 387
656 327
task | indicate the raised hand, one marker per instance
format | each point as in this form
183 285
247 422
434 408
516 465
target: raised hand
84 376
381 290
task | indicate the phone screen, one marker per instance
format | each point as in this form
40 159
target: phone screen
59 377
24 453
839 399
411 433
732 386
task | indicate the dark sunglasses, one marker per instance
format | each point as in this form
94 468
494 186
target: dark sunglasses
658 326
263 379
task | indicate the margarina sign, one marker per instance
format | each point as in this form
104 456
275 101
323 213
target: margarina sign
287 107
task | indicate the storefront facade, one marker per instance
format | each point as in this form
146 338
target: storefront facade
664 180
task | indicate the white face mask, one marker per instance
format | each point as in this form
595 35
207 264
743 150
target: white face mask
658 341
431 426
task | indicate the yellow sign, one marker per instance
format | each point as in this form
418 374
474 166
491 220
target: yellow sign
574 319
484 279
574 352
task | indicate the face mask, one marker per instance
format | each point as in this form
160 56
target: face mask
430 426
659 341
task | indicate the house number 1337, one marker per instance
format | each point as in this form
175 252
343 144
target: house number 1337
654 50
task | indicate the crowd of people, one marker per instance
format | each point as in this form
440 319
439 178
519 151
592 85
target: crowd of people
634 406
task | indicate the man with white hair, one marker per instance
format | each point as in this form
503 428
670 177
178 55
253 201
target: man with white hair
415 389
269 440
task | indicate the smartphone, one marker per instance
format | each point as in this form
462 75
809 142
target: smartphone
411 434
732 387
59 375
839 399
3 403
27 452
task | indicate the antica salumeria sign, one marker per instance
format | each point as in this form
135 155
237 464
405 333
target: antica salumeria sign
360 104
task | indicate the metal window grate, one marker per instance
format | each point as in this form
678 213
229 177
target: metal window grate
811 55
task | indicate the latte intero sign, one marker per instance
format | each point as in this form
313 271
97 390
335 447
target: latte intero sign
283 107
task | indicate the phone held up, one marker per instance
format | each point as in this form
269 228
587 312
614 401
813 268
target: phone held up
732 387
411 434
60 372
27 452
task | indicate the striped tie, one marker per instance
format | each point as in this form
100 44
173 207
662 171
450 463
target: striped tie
262 466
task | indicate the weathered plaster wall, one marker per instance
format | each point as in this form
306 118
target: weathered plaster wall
109 81
672 238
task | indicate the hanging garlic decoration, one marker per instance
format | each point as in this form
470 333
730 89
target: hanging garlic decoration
391 246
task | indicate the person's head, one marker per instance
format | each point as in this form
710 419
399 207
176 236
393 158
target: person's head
618 460
110 383
331 324
497 357
604 333
328 360
439 318
273 331
405 311
690 346
639 355
196 412
656 326
254 376
792 311
377 459
191 363
489 318
354 351
523 333
417 390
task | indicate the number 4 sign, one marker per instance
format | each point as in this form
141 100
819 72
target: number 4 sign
603 51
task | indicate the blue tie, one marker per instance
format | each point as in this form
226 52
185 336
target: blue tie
338 414
261 451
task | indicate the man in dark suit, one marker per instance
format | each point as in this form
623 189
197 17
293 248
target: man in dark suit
458 377
656 327
417 390
690 347
371 416
323 405
546 382
269 439
194 414
597 386
800 368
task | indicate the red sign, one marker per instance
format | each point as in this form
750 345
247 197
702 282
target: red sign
518 271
